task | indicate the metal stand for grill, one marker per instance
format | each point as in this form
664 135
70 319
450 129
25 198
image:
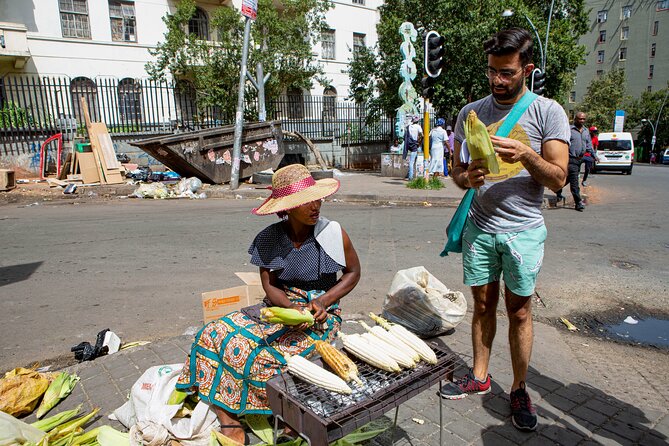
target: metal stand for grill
321 416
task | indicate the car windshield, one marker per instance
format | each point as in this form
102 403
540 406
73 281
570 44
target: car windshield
614 145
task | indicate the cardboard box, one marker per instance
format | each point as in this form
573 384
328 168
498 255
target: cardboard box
216 304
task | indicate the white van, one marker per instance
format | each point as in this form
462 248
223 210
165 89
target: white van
615 152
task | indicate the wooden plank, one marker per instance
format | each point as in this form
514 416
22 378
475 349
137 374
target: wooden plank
65 169
105 144
88 167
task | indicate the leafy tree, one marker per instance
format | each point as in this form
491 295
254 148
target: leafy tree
604 96
282 37
465 27
651 106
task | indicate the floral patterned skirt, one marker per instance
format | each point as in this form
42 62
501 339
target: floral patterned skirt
233 357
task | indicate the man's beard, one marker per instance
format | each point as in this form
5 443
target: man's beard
511 91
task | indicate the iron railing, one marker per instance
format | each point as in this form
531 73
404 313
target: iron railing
32 108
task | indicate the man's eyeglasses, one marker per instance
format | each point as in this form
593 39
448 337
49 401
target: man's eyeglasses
504 75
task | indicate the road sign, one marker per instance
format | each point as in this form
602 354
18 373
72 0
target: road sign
250 9
619 122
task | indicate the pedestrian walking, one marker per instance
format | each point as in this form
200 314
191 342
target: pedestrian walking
579 142
590 155
504 232
413 136
299 259
438 140
448 149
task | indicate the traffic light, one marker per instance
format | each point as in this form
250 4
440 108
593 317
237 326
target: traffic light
538 81
434 52
428 86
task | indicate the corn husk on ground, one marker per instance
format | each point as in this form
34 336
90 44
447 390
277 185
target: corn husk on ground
338 362
316 375
286 316
59 388
479 143
409 339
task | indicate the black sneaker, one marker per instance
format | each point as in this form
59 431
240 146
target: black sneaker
464 386
523 414
579 207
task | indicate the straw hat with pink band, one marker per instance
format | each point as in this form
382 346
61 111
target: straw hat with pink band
293 186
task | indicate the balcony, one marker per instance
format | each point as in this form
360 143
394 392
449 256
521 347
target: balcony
14 44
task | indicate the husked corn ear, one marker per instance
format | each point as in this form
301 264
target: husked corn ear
338 362
362 349
286 316
389 338
402 359
313 374
410 339
479 143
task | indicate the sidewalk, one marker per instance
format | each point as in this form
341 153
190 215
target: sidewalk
575 404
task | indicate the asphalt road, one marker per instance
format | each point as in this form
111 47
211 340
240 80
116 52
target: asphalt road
138 267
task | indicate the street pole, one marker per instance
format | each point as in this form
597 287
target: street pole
657 120
548 28
239 115
426 137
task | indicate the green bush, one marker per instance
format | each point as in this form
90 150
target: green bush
13 116
421 183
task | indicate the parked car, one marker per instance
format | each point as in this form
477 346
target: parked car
615 152
665 156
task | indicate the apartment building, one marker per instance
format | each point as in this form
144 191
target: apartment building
632 35
91 40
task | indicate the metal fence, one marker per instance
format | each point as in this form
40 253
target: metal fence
34 108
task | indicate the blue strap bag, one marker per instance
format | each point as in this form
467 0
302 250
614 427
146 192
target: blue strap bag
457 224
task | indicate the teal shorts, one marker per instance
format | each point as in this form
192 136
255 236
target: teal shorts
517 256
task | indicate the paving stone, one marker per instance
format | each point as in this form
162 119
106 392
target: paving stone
563 404
605 437
602 406
464 405
448 438
624 429
91 371
125 384
573 394
465 429
119 367
490 438
499 404
169 353
509 432
591 416
100 381
649 439
486 417
561 434
662 426
545 382
539 440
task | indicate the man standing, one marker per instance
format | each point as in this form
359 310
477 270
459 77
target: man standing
413 136
448 150
504 233
590 155
579 142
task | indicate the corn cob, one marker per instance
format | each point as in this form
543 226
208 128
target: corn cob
410 339
338 362
479 143
60 388
313 374
46 424
361 348
72 426
403 360
391 339
286 316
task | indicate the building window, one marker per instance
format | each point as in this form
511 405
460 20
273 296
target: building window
572 97
328 44
652 50
600 56
601 16
295 103
130 100
600 73
656 27
83 87
74 19
122 16
651 68
199 25
358 2
602 36
358 43
627 12
623 54
624 33
662 5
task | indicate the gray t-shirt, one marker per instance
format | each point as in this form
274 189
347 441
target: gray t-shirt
514 204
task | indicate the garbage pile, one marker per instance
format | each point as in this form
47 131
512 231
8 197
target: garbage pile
185 188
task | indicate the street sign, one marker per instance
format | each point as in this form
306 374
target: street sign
250 9
619 121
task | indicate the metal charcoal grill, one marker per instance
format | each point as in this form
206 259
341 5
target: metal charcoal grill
321 416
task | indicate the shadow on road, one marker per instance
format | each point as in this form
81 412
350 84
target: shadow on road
17 273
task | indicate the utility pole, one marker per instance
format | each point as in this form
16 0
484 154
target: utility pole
239 114
259 84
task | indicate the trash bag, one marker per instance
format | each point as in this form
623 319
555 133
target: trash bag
152 190
420 302
192 184
21 390
13 431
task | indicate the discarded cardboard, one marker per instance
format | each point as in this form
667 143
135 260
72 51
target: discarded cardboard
216 304
88 167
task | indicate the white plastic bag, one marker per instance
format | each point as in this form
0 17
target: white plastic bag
14 431
147 410
420 302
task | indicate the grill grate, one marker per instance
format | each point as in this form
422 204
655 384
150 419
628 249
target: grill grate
325 416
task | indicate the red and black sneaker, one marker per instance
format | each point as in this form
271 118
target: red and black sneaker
523 414
464 386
